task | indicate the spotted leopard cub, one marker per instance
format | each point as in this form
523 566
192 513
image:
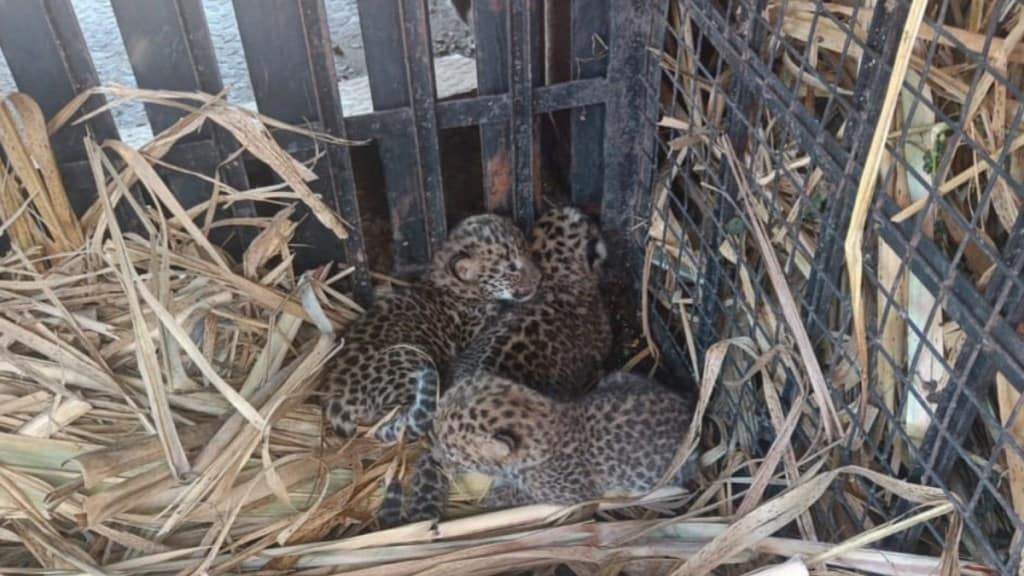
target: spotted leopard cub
618 440
409 337
555 343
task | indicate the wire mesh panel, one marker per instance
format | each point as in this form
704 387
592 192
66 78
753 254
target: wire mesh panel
769 111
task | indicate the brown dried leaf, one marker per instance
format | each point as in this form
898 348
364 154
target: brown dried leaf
269 242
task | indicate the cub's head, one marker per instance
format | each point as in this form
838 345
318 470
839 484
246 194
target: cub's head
486 257
492 424
566 242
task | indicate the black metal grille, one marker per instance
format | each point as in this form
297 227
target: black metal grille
794 89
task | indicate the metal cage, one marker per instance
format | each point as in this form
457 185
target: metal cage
769 108
683 118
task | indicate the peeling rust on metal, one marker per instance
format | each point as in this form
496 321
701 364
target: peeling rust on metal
499 173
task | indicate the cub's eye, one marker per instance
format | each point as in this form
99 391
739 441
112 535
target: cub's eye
514 266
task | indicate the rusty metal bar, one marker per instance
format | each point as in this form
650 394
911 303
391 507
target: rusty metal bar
287 44
419 61
48 58
589 60
492 57
185 62
526 47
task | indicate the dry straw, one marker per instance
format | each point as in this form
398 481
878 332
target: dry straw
156 414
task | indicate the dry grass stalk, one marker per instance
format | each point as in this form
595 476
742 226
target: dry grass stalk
855 236
123 336
925 315
829 418
1010 416
31 180
956 182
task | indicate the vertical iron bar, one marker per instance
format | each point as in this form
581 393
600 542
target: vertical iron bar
630 126
389 89
630 148
49 60
342 182
525 37
492 64
412 177
185 62
287 44
589 31
419 60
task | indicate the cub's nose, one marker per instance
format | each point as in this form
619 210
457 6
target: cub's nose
524 294
533 279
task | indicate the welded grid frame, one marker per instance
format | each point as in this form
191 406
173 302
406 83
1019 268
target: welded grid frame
735 58
289 56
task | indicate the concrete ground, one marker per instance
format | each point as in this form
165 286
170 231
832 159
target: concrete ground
96 18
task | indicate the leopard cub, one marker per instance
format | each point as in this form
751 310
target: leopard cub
617 440
555 344
411 335
557 341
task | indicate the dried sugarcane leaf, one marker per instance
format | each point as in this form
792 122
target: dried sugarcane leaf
98 465
269 242
152 376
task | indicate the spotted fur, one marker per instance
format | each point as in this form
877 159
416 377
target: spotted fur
555 343
484 262
617 440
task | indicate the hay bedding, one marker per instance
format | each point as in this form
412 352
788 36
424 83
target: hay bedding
154 415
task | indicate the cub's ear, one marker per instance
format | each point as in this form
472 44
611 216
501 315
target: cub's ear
597 253
463 266
501 445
